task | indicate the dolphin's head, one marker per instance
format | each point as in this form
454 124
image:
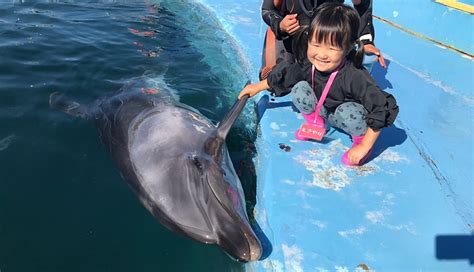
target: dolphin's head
223 207
197 196
190 185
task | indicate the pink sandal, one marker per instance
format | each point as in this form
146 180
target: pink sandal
356 140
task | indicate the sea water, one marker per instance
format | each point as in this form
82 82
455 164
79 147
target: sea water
63 204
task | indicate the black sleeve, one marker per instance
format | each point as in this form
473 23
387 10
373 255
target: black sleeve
286 74
271 16
366 29
381 106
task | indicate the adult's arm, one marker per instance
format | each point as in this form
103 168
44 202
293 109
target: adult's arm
366 29
271 16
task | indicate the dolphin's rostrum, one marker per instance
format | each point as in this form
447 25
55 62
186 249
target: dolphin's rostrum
176 162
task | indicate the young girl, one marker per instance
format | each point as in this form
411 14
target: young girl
354 103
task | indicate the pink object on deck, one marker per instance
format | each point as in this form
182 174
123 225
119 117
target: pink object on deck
314 128
310 131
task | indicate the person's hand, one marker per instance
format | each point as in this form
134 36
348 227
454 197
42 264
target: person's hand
290 24
357 153
370 48
250 89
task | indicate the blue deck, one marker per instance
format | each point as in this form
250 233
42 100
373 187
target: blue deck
418 186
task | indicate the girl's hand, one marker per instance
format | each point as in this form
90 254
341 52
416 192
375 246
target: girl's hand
357 153
253 89
290 24
250 90
370 48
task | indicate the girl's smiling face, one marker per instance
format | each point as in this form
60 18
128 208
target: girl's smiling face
325 57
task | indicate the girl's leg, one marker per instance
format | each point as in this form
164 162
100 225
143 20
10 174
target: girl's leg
350 117
303 98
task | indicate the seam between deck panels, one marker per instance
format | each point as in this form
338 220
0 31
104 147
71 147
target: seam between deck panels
456 5
461 208
421 36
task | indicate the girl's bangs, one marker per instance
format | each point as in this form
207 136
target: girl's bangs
329 34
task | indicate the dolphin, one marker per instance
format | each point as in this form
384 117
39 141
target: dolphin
176 162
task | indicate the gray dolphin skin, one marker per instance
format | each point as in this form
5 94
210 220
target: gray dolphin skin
176 162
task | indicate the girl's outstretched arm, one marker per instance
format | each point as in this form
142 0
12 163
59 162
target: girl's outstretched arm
358 152
253 89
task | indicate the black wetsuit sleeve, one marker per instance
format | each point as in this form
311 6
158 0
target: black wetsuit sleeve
366 29
271 16
285 75
381 106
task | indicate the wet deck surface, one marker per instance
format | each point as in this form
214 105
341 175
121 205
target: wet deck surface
416 189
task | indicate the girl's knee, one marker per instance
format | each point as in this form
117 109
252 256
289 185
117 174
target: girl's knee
351 111
350 117
302 97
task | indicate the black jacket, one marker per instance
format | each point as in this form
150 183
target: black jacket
350 85
272 17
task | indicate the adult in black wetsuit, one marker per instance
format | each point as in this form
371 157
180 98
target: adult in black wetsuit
286 20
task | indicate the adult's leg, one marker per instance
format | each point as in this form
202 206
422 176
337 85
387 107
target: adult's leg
273 52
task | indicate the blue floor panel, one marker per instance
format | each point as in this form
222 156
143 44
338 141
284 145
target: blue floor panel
387 215
439 22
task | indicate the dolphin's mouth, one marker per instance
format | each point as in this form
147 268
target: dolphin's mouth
230 201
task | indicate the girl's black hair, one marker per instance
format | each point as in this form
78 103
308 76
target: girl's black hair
335 24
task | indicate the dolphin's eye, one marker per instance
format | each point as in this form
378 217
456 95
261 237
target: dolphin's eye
197 163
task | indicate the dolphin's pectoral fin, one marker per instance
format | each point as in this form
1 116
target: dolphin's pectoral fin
213 145
231 116
59 102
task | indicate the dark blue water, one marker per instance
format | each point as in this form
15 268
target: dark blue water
63 205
